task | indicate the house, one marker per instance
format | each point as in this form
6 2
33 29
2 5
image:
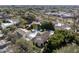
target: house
4 46
22 32
1 15
61 14
26 34
51 33
4 16
53 14
9 22
12 20
1 34
67 15
5 25
62 26
40 39
37 23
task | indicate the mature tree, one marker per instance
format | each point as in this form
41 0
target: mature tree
47 25
68 35
54 42
12 28
5 31
22 23
29 18
59 39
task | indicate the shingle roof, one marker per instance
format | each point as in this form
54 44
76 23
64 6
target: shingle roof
22 31
41 39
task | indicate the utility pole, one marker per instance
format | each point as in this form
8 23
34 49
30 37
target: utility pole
75 18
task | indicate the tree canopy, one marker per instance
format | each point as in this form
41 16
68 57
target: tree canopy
47 25
59 39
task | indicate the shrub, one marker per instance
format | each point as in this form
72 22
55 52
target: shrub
25 46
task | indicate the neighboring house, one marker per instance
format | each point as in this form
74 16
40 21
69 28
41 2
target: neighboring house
22 33
61 14
4 15
62 26
52 14
1 34
67 15
34 23
40 39
1 16
9 22
51 33
2 42
15 21
26 34
37 23
4 46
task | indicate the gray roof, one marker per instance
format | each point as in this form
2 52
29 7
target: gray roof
41 39
26 34
62 26
61 14
12 22
22 31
